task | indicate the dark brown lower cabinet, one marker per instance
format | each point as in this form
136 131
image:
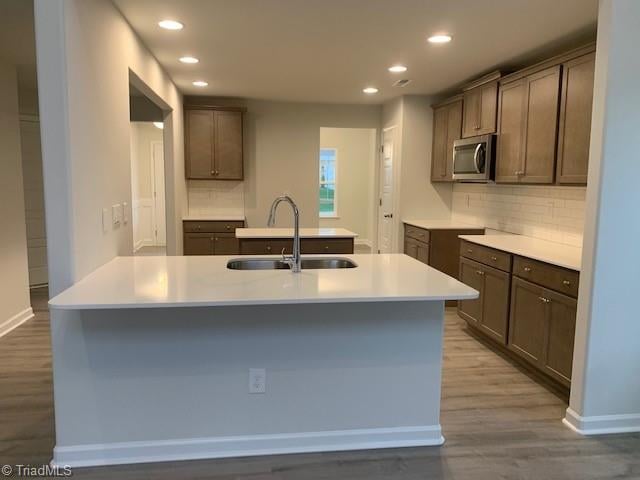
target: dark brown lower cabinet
490 311
416 249
276 246
542 328
211 244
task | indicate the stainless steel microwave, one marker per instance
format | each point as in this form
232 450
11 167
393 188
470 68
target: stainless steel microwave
474 159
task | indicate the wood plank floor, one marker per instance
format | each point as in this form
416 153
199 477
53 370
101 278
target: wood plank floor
498 421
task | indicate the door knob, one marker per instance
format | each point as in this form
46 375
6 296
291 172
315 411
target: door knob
388 215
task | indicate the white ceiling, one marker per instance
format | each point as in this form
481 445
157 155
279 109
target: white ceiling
328 50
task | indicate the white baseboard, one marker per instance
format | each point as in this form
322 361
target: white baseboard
243 446
602 424
15 321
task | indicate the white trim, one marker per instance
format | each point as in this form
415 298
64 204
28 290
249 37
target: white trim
601 424
15 321
363 241
245 445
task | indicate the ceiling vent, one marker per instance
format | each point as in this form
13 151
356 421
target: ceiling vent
402 83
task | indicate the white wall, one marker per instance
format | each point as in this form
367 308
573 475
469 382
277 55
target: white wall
605 393
281 145
85 51
356 163
14 278
414 194
549 213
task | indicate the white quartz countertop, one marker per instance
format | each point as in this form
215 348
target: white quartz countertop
213 218
543 250
199 281
288 233
441 224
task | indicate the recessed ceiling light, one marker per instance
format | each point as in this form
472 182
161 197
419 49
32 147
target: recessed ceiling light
188 59
171 25
398 69
159 125
200 83
440 38
370 90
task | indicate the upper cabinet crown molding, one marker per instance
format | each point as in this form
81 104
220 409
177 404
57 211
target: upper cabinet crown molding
488 78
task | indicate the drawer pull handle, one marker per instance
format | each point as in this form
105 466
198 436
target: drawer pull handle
527 269
566 283
469 250
544 300
479 272
326 247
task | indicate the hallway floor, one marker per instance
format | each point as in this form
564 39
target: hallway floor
499 424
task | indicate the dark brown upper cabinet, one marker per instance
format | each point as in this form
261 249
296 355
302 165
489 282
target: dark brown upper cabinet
447 125
480 110
575 120
213 143
527 128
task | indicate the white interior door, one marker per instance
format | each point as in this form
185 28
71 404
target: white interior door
385 210
160 232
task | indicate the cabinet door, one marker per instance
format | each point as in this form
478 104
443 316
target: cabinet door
510 132
411 248
228 145
560 334
471 274
199 144
495 303
488 102
541 126
575 120
454 132
226 244
423 253
527 321
471 119
198 244
439 145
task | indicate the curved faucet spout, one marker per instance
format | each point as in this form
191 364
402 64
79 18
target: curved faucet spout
294 260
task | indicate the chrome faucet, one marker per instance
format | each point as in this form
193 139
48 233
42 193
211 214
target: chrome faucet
294 260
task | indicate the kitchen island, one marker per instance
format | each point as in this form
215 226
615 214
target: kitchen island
152 359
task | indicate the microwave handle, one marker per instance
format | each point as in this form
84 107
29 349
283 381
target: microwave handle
475 157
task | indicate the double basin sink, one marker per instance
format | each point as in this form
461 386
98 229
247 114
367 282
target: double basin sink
277 264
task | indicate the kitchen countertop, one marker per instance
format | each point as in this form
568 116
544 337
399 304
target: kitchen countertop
160 282
441 224
213 218
288 233
543 250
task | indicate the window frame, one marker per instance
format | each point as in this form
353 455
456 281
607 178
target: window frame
333 214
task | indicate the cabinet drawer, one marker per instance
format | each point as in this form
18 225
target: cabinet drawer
260 246
556 278
416 233
486 255
211 226
333 245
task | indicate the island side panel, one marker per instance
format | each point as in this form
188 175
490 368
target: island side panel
175 380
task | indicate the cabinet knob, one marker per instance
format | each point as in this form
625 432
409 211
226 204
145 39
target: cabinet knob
527 269
215 239
197 227
268 248
544 300
566 283
213 172
519 172
495 259
326 247
228 227
211 239
469 250
480 272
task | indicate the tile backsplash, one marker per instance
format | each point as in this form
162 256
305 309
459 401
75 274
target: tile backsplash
210 197
548 212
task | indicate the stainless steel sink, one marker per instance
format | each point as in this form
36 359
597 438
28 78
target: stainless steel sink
277 264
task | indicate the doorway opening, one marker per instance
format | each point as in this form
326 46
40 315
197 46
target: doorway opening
148 196
346 189
386 222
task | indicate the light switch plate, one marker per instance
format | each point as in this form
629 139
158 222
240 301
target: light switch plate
106 220
116 214
125 213
257 380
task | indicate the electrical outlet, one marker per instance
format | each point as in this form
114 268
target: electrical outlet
257 380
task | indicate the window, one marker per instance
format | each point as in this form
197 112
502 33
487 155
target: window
328 203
